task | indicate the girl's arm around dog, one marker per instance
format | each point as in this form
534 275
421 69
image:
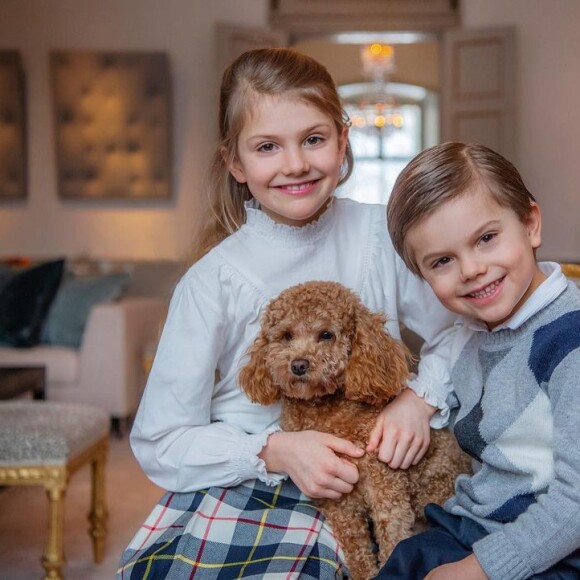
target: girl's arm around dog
312 461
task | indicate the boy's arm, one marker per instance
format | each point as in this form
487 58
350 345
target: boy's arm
548 530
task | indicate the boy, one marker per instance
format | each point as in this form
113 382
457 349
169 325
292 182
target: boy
462 219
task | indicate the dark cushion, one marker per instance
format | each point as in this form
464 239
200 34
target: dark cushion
6 273
24 303
76 297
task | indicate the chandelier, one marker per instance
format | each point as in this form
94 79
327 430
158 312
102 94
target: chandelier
377 108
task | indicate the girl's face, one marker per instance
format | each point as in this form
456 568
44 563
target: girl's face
289 155
478 256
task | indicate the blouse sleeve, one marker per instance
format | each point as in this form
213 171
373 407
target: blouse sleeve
408 300
420 311
174 438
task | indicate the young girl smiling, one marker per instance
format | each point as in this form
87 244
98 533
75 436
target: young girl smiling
238 485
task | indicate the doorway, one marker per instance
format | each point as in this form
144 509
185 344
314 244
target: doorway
469 73
384 138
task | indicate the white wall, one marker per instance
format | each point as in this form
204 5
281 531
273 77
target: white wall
548 110
44 224
549 117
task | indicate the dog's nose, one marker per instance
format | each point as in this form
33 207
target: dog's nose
299 366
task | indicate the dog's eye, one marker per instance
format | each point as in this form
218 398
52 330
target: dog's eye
287 336
325 335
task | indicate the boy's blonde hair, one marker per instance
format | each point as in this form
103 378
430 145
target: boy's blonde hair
445 172
266 71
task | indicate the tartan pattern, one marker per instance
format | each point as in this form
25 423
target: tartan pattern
248 531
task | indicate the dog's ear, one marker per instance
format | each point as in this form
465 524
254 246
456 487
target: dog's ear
378 367
254 377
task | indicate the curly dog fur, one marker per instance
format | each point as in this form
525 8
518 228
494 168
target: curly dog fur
334 366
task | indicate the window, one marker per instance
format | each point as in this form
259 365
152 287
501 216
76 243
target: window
385 138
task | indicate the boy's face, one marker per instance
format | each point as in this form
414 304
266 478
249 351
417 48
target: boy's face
478 256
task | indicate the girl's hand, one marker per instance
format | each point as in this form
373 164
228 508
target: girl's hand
466 569
401 433
312 461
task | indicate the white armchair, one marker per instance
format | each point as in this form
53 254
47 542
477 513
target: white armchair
108 370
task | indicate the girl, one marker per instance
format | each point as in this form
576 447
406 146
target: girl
232 510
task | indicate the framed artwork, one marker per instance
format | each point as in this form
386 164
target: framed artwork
12 127
113 124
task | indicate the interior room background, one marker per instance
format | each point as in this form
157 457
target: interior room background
548 127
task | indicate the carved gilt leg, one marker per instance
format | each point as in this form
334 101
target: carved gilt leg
98 515
53 558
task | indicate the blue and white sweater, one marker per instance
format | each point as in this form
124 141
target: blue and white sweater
519 418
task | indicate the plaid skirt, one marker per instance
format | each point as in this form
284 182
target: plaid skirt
248 531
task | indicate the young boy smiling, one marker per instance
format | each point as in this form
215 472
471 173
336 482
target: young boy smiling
462 219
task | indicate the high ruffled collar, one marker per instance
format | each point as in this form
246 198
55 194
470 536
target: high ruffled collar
262 224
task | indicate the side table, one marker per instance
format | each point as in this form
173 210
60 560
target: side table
15 381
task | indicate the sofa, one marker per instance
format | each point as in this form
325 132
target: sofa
107 364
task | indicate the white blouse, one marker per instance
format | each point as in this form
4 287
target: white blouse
193 430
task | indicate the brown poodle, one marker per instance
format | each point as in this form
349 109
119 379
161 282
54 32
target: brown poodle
334 366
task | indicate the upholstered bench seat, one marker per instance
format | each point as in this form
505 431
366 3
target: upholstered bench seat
43 443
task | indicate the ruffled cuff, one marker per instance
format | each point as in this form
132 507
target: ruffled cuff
249 465
433 397
499 559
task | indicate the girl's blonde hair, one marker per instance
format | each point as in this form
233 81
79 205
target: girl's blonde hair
444 172
265 71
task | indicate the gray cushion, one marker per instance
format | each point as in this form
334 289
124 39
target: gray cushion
72 305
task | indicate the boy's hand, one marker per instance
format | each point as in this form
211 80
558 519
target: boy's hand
466 569
311 460
401 433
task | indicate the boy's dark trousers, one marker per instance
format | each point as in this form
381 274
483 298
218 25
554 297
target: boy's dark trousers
449 539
